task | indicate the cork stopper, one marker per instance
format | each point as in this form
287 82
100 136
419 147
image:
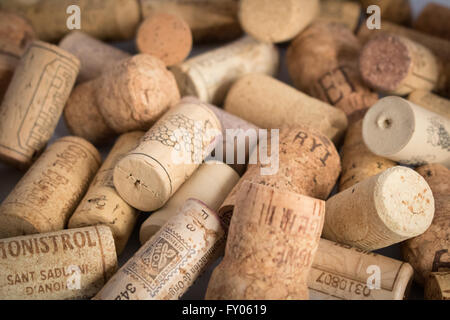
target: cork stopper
397 11
431 101
15 34
438 286
340 11
434 19
437 176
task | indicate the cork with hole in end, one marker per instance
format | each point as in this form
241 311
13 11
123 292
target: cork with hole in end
437 286
271 104
399 130
165 36
272 240
340 11
129 96
67 264
434 19
431 101
168 264
397 11
34 102
276 20
101 204
46 196
388 208
323 62
167 155
210 75
429 252
95 56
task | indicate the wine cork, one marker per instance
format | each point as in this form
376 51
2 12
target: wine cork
165 36
429 252
169 263
67 264
339 11
342 272
102 204
435 20
129 96
209 20
388 208
431 101
272 240
438 286
358 163
276 20
167 155
271 104
399 130
49 192
210 184
210 75
397 11
95 56
34 102
112 19
323 62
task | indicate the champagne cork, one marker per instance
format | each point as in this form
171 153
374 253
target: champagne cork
167 155
397 11
429 252
435 20
399 130
130 96
112 19
358 163
209 20
323 62
169 263
276 20
431 101
49 192
95 56
388 208
342 272
67 264
34 102
210 75
166 37
340 11
272 241
438 286
210 184
271 104
102 204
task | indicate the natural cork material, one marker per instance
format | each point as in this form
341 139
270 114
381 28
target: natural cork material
169 263
397 11
323 62
276 20
102 204
272 240
165 36
129 96
340 11
404 132
67 264
34 102
438 286
210 75
431 101
434 20
272 104
167 155
49 192
342 272
388 208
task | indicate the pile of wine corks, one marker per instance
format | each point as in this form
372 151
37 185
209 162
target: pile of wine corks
284 137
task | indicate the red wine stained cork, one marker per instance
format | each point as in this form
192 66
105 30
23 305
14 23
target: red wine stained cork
398 11
168 264
209 20
34 101
272 240
167 155
102 204
67 264
438 286
343 272
323 62
129 96
210 184
388 208
276 20
429 252
271 104
46 196
399 130
95 56
165 36
435 20
340 11
431 101
210 75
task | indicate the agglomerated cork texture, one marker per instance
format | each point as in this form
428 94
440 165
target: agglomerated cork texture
438 286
